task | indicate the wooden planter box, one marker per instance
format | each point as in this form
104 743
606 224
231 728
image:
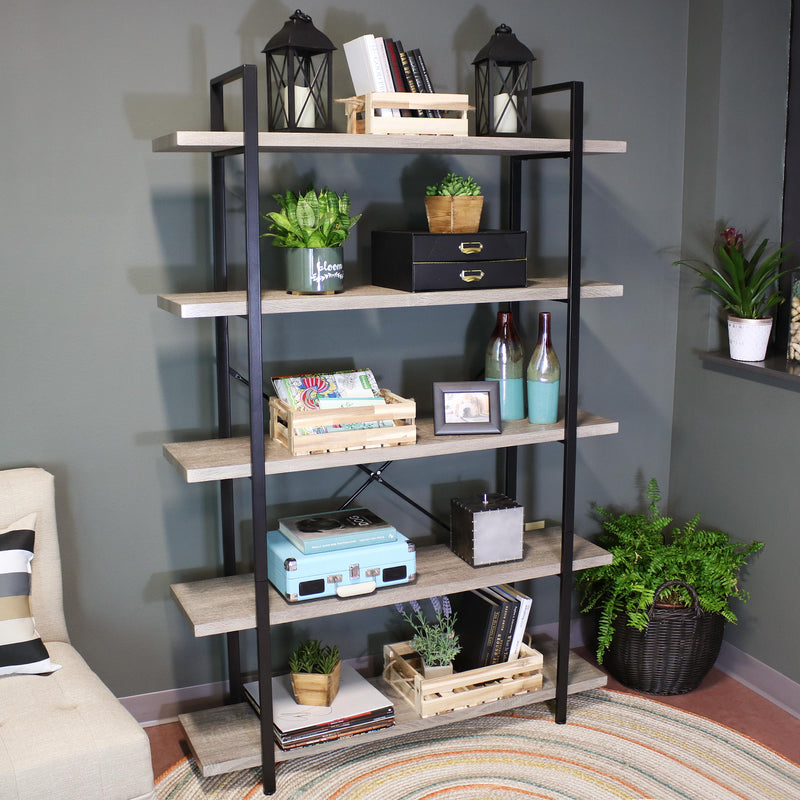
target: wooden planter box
363 117
316 689
453 214
403 670
293 428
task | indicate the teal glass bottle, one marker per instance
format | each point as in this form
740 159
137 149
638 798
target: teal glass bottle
505 363
544 376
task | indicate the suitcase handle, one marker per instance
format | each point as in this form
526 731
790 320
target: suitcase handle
356 588
471 275
471 247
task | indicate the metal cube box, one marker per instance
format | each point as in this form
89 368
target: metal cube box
486 529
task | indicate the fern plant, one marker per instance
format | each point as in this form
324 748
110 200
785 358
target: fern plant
311 656
646 555
310 219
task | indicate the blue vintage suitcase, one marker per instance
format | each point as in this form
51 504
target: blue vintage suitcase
357 570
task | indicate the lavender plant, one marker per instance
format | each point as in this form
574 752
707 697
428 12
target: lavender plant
434 639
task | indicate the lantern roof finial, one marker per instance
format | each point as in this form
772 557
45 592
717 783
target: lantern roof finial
299 33
504 48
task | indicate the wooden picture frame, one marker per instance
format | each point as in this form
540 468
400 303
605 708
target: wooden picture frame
466 407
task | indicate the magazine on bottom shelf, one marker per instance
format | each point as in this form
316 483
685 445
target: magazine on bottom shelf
358 707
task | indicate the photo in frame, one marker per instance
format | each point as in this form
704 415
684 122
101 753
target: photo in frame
466 407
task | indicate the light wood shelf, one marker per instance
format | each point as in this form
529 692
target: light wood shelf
222 605
221 459
273 142
197 305
227 738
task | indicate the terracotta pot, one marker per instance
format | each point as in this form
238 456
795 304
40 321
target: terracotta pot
315 689
448 214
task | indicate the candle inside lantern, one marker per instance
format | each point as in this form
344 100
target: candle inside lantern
303 106
505 113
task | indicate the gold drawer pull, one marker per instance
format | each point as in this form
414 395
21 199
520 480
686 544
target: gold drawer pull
471 275
471 247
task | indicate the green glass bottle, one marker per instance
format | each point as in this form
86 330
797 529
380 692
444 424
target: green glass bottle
544 377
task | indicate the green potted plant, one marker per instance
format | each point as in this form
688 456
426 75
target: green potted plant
454 205
747 287
434 640
312 227
315 671
664 600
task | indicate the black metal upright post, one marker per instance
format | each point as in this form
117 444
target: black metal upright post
224 425
571 394
248 76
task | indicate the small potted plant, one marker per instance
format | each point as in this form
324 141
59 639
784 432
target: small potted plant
747 288
454 205
664 600
312 227
315 672
434 640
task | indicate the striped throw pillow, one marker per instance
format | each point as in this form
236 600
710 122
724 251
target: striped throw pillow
21 649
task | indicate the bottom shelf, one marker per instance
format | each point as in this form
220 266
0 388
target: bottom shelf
227 738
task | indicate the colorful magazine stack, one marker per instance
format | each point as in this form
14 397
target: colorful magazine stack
357 708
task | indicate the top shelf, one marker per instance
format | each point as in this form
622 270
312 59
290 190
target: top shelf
222 141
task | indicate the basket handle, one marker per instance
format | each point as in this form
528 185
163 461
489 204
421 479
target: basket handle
669 584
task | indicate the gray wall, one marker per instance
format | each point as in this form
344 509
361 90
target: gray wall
93 225
733 438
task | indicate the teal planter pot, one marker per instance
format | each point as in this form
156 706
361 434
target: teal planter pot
314 270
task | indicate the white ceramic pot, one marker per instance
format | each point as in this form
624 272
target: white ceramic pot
748 338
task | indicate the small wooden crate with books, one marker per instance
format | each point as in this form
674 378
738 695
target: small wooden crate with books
304 432
364 113
403 671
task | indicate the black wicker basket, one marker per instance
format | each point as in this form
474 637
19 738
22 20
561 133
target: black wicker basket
674 653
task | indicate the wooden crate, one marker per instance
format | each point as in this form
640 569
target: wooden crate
402 670
288 425
363 117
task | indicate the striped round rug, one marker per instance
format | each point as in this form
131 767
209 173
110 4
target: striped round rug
614 747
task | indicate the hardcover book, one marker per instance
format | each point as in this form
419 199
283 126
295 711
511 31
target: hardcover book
521 624
336 530
477 618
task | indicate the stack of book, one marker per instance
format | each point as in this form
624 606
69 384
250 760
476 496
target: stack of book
357 708
379 64
490 623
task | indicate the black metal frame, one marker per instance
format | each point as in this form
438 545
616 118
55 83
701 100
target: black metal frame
575 156
247 75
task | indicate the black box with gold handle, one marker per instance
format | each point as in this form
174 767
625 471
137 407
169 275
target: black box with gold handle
429 262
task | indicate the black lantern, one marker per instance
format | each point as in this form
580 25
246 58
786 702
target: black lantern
299 77
504 86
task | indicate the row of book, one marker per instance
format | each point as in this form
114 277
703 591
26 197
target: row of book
491 624
380 64
357 708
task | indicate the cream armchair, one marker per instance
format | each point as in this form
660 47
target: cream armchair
63 735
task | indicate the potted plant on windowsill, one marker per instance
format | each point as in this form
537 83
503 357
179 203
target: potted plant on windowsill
434 640
664 600
454 205
748 290
312 227
315 673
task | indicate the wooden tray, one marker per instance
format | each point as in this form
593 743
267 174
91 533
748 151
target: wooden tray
288 425
362 116
402 670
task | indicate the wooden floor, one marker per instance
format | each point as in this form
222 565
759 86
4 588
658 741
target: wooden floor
719 698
